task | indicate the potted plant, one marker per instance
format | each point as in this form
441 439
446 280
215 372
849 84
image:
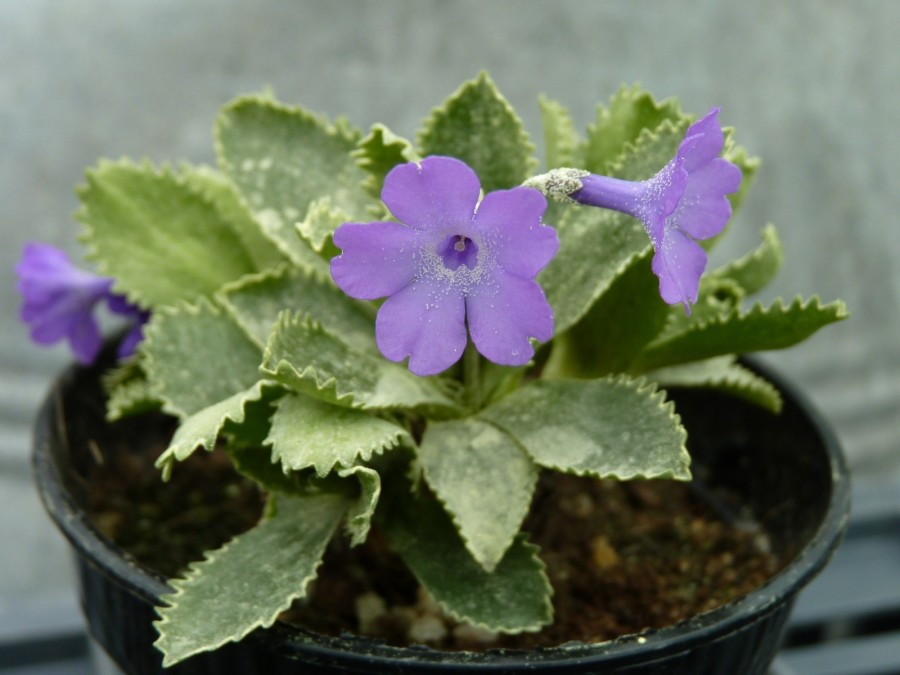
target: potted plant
422 367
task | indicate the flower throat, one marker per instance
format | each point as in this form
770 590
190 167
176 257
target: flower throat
458 250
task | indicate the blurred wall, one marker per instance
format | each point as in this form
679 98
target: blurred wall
813 87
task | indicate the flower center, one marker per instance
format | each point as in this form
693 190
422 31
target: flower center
458 250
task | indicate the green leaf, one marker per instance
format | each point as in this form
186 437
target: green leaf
283 159
202 429
359 516
197 356
128 391
309 433
484 479
253 429
477 125
305 357
161 240
614 331
609 428
595 247
717 297
379 152
248 582
724 374
758 329
220 191
630 111
322 219
255 463
514 598
256 301
598 245
748 166
650 151
560 139
756 269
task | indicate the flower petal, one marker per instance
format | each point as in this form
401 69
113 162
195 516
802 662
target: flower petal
378 259
58 299
661 197
679 263
84 338
503 316
704 209
437 193
511 221
702 142
425 321
131 340
45 273
51 323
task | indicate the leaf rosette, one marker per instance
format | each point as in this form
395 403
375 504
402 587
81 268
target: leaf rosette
539 337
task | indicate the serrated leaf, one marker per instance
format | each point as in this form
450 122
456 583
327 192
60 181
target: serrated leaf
717 297
477 125
128 391
597 245
202 429
560 139
305 357
309 433
465 463
283 159
286 236
379 152
131 398
360 514
255 463
196 356
256 301
609 428
253 429
758 329
220 191
322 219
161 240
514 598
723 374
624 319
630 111
755 270
248 582
650 151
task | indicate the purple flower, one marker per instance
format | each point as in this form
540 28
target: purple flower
681 204
59 301
451 260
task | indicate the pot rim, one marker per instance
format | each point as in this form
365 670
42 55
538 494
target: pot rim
361 650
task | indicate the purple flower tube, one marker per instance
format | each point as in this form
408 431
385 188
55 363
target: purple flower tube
683 203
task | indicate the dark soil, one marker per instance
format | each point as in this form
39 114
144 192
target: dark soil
167 525
622 557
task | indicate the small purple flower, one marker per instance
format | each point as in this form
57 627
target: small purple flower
59 301
681 204
451 260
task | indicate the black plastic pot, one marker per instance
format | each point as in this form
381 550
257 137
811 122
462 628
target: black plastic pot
788 469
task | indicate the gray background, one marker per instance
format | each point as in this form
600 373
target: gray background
812 86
